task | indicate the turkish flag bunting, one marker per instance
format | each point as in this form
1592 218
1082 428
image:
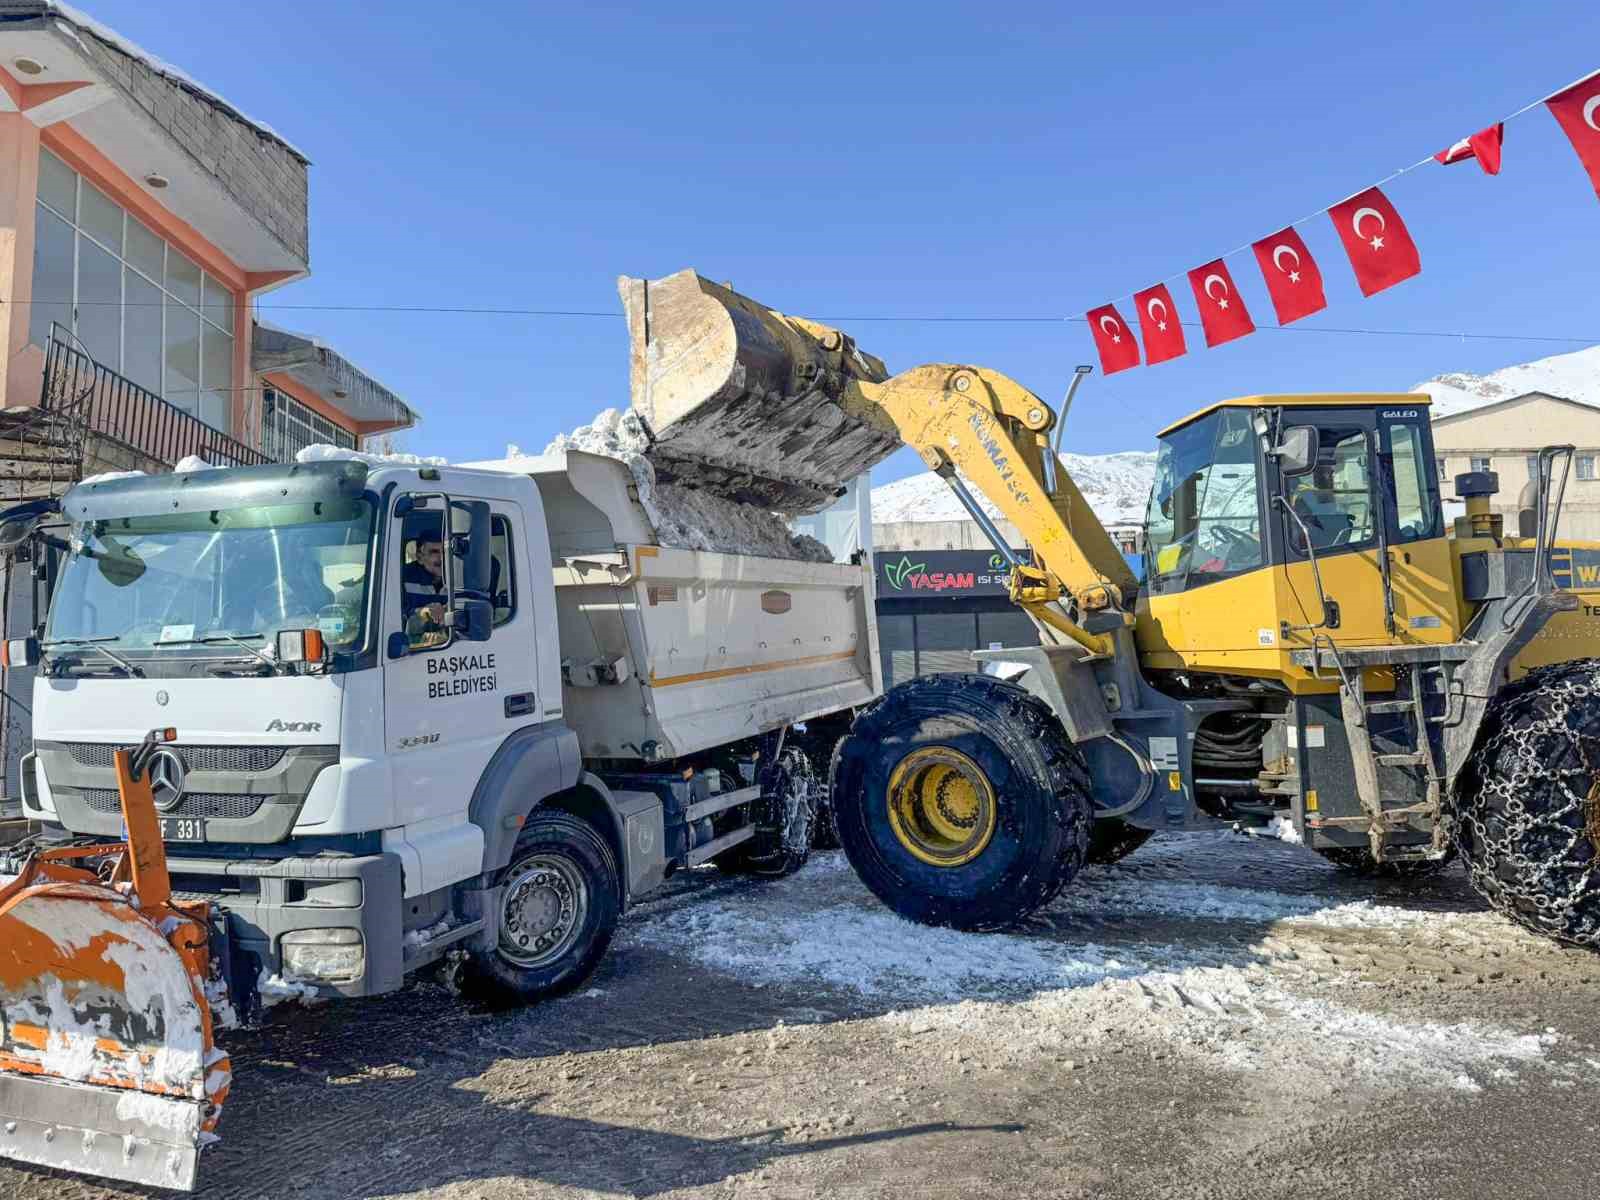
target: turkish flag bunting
1574 109
1483 146
1113 339
1376 239
1158 324
1222 312
1291 274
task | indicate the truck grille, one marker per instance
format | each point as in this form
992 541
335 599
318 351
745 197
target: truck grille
198 758
228 805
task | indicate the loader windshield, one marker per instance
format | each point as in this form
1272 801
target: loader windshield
182 584
1204 520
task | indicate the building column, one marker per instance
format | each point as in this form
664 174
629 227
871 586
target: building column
21 365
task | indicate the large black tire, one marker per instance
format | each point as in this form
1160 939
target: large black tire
1112 840
976 773
562 885
1358 861
785 817
1528 803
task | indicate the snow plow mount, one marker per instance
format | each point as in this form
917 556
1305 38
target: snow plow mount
107 1060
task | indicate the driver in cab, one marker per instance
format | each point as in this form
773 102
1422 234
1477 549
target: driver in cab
423 594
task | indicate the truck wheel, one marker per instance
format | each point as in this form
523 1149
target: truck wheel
1112 840
1528 803
961 802
1358 860
557 909
785 817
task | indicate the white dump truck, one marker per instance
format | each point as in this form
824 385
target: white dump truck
373 767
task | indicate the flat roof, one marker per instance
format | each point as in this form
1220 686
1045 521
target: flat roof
1307 400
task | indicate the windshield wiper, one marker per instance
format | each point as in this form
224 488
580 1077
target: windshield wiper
216 639
96 644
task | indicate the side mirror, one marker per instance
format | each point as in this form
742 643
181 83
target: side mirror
15 532
473 619
399 645
1297 452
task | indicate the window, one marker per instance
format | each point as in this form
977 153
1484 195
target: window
1532 463
1334 498
1414 504
1481 464
287 427
1204 518
1585 466
136 304
502 574
424 594
1444 470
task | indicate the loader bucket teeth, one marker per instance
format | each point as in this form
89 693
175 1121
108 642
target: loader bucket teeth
107 1064
745 402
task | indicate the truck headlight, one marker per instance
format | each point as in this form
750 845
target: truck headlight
326 955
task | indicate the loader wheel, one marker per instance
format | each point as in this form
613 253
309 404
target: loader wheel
960 801
784 817
557 910
1358 861
1528 803
1112 840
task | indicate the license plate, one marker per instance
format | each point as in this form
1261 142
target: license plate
183 829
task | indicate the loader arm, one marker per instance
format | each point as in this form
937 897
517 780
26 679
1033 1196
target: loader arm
782 411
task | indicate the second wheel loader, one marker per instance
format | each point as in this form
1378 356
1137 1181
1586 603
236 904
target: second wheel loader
1314 650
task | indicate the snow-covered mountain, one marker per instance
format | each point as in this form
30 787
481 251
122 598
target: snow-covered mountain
1574 376
1117 487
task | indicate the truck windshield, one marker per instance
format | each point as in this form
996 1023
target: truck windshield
160 583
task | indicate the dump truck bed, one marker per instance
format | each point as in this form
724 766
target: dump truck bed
668 652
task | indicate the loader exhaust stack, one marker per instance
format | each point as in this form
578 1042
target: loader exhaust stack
748 403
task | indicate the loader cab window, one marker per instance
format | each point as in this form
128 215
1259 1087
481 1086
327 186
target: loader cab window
1204 519
1417 511
1334 498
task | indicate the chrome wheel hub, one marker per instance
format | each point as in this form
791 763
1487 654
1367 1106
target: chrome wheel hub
542 909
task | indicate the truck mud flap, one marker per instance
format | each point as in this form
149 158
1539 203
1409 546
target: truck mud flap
107 1064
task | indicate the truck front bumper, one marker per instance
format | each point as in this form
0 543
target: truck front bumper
329 922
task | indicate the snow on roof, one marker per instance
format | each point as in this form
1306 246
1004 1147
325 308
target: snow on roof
1574 376
81 20
1117 487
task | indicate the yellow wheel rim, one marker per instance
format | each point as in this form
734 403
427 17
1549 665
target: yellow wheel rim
941 806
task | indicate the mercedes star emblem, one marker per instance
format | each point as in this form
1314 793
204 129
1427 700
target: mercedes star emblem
162 698
167 774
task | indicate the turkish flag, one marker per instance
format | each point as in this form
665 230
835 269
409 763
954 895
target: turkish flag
1483 146
1376 239
1113 339
1222 312
1159 324
1291 274
1575 111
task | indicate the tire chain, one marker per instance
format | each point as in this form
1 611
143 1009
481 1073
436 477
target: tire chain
1527 808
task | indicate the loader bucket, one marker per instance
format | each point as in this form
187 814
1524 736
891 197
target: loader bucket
107 1064
746 402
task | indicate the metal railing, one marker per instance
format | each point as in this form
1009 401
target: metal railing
120 411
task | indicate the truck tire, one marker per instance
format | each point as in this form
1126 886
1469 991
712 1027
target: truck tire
1528 803
785 818
1358 861
960 802
557 909
1112 840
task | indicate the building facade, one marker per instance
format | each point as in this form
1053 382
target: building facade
1506 436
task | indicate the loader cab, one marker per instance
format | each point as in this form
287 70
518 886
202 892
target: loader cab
1248 492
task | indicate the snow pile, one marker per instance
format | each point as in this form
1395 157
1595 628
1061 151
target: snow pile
191 462
1574 376
108 476
685 517
1116 486
322 452
1121 961
280 989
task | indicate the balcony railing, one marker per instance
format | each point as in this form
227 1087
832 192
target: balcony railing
122 412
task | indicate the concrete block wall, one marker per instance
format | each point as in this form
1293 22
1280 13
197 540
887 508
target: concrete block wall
263 175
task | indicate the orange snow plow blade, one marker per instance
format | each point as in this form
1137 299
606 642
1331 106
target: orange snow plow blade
107 1063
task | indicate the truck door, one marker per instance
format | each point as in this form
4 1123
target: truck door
449 702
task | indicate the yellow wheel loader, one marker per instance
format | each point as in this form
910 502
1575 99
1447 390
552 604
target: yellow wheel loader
109 1064
1314 651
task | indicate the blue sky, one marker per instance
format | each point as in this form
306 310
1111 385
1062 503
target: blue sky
899 160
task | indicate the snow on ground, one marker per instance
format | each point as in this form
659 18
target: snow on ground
1117 487
1242 1000
1574 376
